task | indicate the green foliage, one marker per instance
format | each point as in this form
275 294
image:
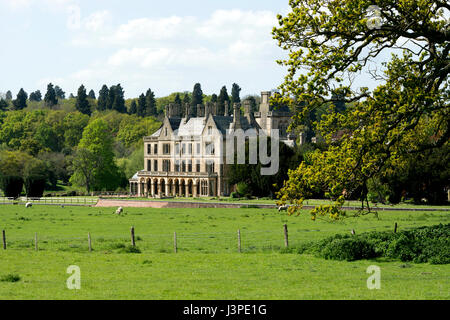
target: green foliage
3 105
142 107
349 249
91 94
420 245
36 96
12 277
235 92
12 186
94 166
197 95
82 104
103 97
133 107
117 99
243 189
368 134
223 101
150 103
250 174
21 100
35 177
234 195
60 94
50 98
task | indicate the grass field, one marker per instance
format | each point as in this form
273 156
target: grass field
207 265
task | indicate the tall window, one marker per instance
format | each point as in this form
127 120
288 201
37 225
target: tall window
197 165
190 148
155 165
166 148
177 165
183 148
177 148
166 165
183 166
210 166
189 166
149 148
209 149
149 165
198 148
155 149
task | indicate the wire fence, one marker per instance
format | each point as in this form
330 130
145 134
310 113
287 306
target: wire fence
80 201
221 242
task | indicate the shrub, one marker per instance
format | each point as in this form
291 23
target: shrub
421 245
11 185
349 249
10 278
243 189
234 195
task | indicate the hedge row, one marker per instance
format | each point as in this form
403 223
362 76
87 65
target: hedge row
425 244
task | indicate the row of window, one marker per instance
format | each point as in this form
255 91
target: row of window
186 148
180 166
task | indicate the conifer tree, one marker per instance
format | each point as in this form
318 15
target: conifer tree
82 104
50 98
141 106
223 100
177 99
103 97
21 100
133 107
235 90
91 94
150 103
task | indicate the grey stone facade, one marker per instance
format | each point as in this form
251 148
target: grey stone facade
186 156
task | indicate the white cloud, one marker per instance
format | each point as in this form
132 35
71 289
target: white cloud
171 53
97 21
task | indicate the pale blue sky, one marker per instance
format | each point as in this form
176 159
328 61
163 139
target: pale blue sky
163 45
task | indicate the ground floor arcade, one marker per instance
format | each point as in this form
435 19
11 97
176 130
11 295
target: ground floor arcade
170 187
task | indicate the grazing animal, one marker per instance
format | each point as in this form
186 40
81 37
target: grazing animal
283 208
119 210
28 205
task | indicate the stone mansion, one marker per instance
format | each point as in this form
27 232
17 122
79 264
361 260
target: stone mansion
185 156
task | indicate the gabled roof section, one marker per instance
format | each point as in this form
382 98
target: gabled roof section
194 127
223 123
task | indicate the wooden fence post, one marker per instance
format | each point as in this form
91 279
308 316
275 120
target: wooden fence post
395 227
239 240
36 242
4 240
286 239
133 242
89 242
175 242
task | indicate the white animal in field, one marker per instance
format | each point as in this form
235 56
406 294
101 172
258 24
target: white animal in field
283 208
119 210
28 205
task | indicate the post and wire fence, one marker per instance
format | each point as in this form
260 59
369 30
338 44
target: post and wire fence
76 201
242 241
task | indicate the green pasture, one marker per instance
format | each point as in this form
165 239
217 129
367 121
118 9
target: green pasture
207 264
